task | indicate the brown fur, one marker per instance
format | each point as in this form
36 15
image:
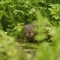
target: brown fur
29 32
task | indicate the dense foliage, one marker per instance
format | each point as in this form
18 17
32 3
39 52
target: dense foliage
44 14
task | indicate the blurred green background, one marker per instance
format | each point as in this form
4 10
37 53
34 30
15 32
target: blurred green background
15 14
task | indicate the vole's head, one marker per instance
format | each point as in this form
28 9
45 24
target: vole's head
29 30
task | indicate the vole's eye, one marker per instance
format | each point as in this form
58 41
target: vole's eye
29 32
